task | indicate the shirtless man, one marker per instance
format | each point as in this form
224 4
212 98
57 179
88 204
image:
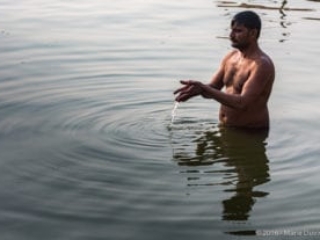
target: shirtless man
246 73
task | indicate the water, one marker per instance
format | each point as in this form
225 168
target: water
174 111
87 147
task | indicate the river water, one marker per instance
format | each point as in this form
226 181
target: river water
88 149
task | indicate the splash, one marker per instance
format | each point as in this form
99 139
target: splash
174 111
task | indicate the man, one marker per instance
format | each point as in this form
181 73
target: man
246 73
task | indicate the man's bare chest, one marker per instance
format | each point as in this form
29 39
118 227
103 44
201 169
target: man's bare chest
236 74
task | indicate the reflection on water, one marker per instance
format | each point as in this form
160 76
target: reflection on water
245 151
283 21
281 6
86 95
243 154
312 18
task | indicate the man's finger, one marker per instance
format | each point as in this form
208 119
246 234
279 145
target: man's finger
185 82
178 90
181 98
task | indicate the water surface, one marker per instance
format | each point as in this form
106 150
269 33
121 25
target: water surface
87 146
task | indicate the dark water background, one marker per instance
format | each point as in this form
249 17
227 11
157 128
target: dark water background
87 147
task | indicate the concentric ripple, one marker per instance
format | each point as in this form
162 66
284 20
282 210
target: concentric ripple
88 149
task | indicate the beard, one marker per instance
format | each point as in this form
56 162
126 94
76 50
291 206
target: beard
239 45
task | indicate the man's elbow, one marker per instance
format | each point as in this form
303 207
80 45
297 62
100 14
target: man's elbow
241 104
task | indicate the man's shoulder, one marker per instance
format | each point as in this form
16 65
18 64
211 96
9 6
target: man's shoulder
266 62
232 53
265 59
229 56
265 66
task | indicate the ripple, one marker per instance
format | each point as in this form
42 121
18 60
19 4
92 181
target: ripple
81 169
88 149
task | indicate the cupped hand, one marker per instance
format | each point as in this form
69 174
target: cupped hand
190 89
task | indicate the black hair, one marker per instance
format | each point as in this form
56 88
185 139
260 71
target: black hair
249 19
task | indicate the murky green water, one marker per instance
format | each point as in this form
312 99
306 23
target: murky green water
87 146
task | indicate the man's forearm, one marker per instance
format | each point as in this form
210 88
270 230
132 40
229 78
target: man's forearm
233 101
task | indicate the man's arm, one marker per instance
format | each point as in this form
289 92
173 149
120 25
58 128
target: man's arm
261 74
191 90
216 81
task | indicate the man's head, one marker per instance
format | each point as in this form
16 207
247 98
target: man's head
245 27
248 19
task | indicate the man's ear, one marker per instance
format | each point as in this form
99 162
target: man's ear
254 33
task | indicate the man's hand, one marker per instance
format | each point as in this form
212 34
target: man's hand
191 89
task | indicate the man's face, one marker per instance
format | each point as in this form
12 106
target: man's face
239 36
